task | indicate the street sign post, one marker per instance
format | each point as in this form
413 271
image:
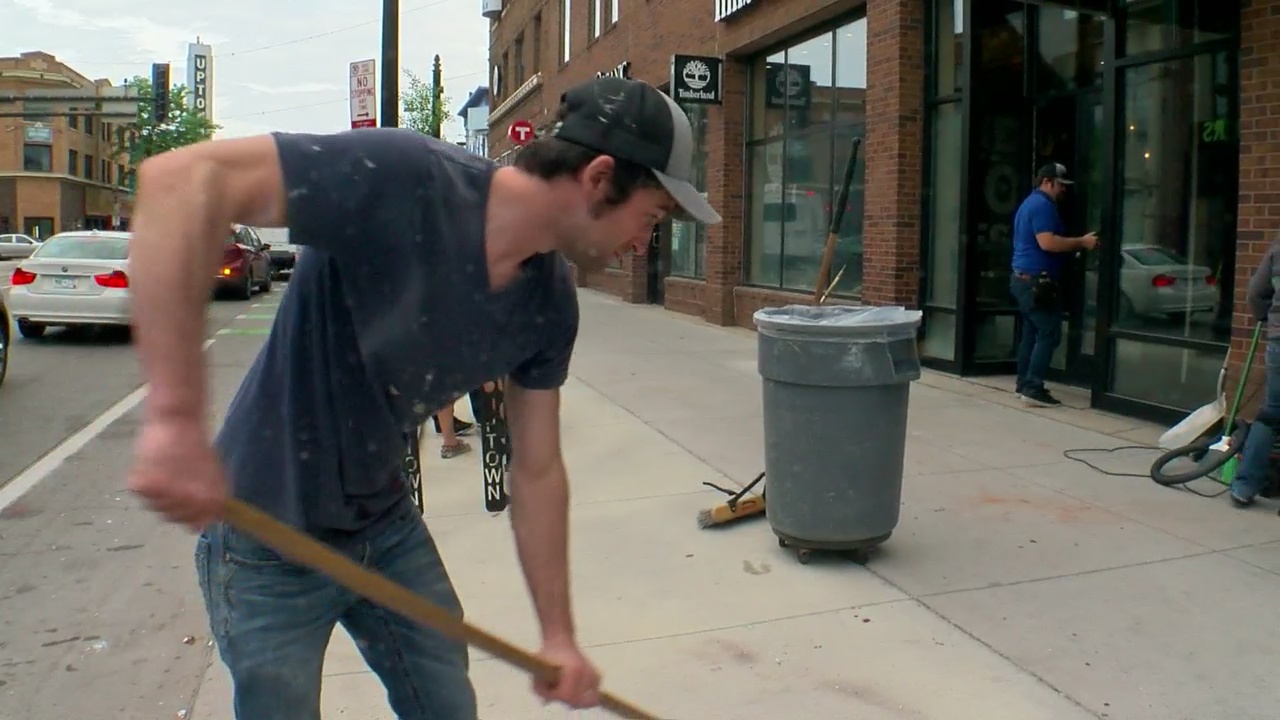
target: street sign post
521 132
364 95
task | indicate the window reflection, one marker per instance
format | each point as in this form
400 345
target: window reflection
1152 25
948 29
808 105
1179 161
1069 49
688 239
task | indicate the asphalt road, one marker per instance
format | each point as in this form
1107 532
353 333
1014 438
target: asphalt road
100 615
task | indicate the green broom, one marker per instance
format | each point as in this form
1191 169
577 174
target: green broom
1228 426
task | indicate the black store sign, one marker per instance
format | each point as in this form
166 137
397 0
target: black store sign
697 79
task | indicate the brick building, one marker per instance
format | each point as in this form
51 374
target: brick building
57 172
1164 111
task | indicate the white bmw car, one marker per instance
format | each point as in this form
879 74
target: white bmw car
73 279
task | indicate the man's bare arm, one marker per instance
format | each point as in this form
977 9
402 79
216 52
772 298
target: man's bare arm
187 201
1052 242
540 506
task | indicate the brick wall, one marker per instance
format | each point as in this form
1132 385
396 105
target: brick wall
648 32
1259 210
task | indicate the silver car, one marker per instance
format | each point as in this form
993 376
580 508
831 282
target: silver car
73 278
17 246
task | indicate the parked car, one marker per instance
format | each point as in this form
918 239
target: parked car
1155 280
17 246
246 264
5 323
72 279
283 258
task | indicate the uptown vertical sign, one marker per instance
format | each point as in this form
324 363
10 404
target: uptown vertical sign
200 78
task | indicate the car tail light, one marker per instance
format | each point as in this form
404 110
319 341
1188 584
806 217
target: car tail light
22 277
1162 281
115 279
1210 280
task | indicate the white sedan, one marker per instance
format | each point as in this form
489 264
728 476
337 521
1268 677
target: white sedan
73 278
17 246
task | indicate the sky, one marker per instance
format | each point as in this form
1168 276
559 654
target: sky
277 64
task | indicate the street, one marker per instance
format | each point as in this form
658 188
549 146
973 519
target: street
96 597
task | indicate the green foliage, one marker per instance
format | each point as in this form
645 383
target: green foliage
421 108
142 138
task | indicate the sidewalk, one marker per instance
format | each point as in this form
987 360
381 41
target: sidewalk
1019 585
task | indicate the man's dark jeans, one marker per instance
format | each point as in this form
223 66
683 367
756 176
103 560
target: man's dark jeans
272 620
1253 473
1041 334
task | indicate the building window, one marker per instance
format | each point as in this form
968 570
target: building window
518 53
88 167
1179 163
104 171
1155 26
807 106
615 9
73 122
688 239
88 124
596 11
37 227
496 83
566 28
37 158
535 64
73 162
120 177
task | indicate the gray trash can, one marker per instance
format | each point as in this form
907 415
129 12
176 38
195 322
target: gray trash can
836 384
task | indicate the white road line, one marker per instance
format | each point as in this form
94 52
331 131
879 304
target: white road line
44 467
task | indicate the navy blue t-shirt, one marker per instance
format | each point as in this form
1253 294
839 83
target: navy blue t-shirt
1037 214
389 317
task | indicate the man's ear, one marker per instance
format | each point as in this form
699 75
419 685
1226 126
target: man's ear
598 174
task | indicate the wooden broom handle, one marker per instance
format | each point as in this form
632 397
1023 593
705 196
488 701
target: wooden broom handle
375 587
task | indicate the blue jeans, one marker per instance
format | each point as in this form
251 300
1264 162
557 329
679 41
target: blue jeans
1041 334
272 620
1253 472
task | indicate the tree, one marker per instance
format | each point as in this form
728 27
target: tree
143 138
424 105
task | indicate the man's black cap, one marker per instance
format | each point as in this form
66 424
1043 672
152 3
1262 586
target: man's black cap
1053 171
631 120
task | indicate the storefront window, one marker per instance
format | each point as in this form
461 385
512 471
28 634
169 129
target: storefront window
943 242
1152 25
948 29
1070 49
688 240
808 105
1179 155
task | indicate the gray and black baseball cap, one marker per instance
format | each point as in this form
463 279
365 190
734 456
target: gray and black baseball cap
634 121
1053 171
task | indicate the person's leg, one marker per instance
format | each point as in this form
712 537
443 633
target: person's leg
1021 291
1048 335
450 444
425 673
271 621
1252 473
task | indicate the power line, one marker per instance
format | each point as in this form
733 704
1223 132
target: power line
325 102
284 43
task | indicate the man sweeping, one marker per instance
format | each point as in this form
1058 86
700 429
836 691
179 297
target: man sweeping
367 343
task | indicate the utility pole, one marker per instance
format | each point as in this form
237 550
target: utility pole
437 96
390 63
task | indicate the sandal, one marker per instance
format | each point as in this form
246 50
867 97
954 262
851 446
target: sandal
451 451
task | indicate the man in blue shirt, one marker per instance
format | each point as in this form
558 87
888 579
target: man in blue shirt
1040 252
368 343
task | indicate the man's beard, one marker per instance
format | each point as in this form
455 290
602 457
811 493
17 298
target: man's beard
583 248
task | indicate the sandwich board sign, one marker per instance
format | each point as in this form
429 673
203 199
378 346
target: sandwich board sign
364 95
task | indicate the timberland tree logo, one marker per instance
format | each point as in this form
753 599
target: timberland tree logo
696 79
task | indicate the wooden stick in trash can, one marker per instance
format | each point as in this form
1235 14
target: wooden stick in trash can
368 584
837 218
